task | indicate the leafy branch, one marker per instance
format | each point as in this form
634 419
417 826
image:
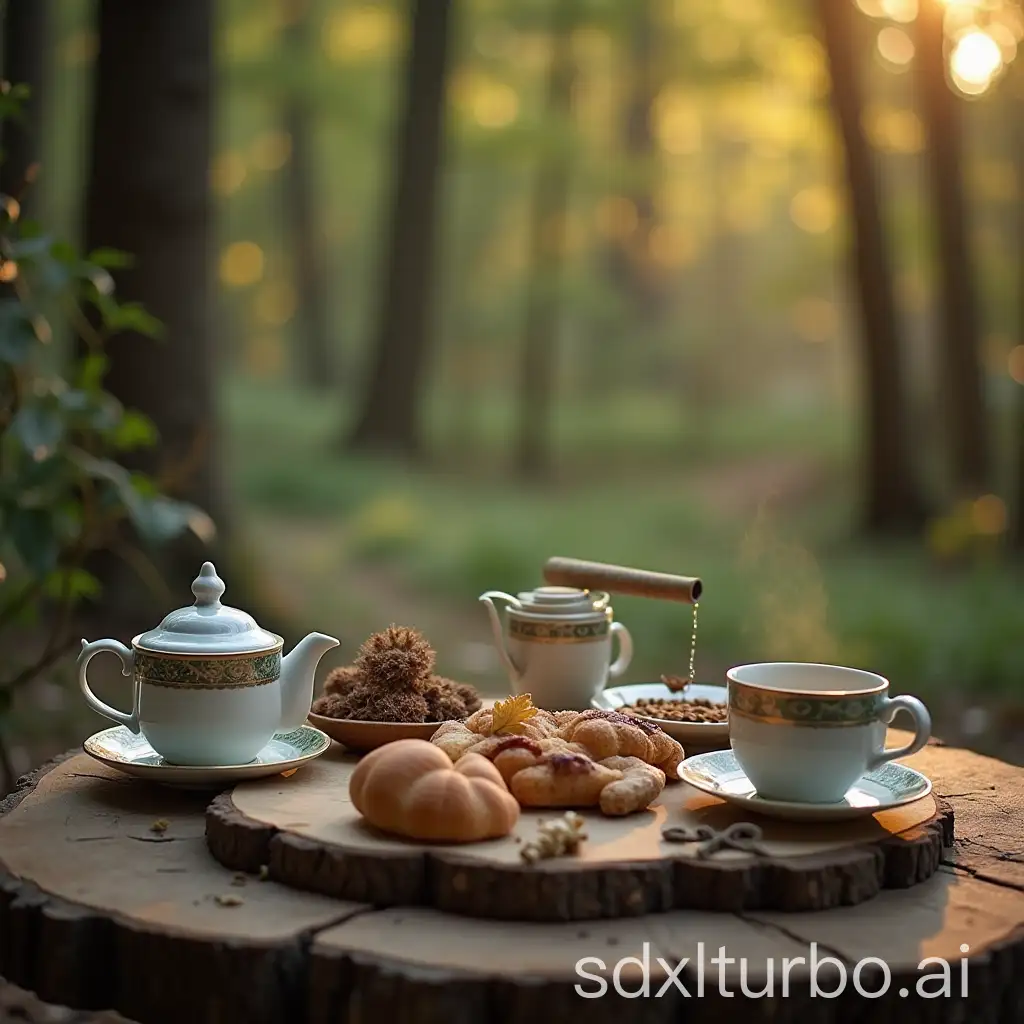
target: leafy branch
64 493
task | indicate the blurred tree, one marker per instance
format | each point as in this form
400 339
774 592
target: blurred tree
628 256
148 194
550 201
300 194
962 398
24 27
390 416
893 502
1017 434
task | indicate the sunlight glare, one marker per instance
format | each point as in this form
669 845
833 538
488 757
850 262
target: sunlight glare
895 46
975 60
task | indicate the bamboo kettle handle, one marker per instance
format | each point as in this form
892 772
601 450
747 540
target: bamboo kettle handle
618 579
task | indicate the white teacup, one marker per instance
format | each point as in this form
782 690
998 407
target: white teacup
806 733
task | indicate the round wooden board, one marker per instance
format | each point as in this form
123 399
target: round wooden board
99 911
308 834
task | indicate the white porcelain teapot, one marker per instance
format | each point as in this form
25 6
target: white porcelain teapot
210 686
558 645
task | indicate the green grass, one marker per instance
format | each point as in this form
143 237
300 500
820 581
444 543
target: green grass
789 585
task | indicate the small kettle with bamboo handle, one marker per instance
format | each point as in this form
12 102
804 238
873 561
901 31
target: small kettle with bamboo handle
558 644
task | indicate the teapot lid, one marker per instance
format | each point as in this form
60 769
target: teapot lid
208 627
563 600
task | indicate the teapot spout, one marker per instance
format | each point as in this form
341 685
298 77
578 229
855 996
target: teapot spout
298 671
498 632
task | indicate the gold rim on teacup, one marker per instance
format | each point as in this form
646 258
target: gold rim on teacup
793 706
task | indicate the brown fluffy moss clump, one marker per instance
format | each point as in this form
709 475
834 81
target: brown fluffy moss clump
392 680
397 657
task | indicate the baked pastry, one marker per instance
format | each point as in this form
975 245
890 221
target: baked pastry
567 758
610 734
411 788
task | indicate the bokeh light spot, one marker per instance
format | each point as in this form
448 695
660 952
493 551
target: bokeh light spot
895 46
228 173
976 59
276 303
988 515
1015 364
241 264
814 209
8 271
358 32
271 150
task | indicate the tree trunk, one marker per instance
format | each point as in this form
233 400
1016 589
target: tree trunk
391 413
313 337
25 25
550 202
628 261
962 384
148 195
1017 504
893 503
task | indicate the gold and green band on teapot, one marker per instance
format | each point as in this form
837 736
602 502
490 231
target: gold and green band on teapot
216 673
553 632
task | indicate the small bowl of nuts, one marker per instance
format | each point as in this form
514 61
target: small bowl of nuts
693 713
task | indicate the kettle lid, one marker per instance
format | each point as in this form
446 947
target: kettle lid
208 627
563 600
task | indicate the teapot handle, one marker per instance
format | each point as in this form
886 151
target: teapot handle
625 650
89 651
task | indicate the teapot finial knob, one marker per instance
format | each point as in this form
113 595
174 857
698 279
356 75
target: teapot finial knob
208 586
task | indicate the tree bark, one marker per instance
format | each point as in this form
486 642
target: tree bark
25 29
893 502
316 363
962 384
391 413
539 360
148 195
1017 502
628 260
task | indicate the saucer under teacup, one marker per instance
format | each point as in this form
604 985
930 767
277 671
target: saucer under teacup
122 749
700 734
891 785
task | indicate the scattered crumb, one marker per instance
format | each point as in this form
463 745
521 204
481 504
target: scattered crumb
238 878
229 900
291 771
160 826
264 872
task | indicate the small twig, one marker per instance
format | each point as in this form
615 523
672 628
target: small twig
7 773
741 835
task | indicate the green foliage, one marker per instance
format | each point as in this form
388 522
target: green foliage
63 490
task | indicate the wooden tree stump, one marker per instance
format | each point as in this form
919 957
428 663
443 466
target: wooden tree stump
309 836
102 908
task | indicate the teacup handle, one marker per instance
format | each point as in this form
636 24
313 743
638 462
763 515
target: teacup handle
89 651
625 650
922 729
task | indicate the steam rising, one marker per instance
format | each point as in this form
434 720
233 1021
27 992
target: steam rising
791 618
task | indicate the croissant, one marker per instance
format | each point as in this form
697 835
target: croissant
610 734
410 788
562 780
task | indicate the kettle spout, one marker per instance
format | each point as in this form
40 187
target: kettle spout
298 671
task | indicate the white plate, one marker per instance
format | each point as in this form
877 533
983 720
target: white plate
892 785
121 749
698 733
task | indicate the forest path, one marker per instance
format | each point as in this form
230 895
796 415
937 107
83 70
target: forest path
324 588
